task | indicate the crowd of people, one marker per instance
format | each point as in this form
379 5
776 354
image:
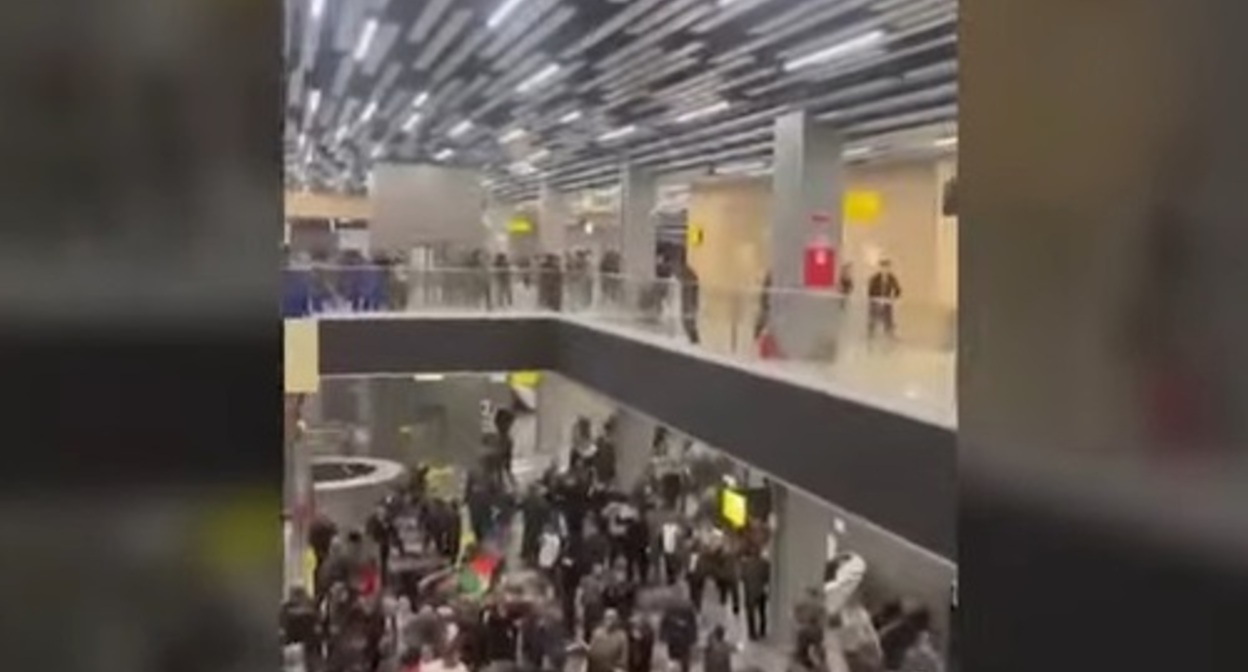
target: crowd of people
349 281
573 571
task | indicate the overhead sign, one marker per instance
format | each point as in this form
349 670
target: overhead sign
528 379
861 206
694 235
301 356
519 225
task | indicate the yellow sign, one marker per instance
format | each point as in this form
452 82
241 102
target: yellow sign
519 225
694 235
861 207
733 507
527 379
301 357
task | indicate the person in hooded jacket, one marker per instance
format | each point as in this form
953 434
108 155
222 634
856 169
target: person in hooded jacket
678 629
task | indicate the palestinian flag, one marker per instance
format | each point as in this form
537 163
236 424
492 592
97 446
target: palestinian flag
476 574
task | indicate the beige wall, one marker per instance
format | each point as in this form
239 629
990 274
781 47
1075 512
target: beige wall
905 231
910 231
735 218
308 204
946 242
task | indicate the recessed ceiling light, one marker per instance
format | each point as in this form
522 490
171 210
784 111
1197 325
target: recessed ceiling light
504 10
368 112
536 79
318 8
699 113
460 128
856 152
570 117
366 39
512 135
539 155
411 122
946 142
444 154
617 133
741 167
421 99
836 51
314 101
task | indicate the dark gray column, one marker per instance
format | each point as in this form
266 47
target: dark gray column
806 202
633 437
801 549
559 403
1103 373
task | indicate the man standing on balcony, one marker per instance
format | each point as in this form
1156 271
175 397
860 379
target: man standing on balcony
883 290
688 299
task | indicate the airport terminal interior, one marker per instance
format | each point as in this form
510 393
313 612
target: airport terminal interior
620 335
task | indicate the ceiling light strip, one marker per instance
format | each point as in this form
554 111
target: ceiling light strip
538 36
366 39
655 19
504 10
614 24
525 22
442 39
423 26
727 12
828 14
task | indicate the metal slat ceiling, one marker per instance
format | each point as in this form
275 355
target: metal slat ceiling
640 63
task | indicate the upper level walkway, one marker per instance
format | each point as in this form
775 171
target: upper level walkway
909 369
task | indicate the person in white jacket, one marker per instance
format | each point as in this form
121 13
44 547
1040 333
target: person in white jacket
846 573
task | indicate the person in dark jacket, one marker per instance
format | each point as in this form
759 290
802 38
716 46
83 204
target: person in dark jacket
300 624
883 290
570 572
808 651
718 654
534 634
610 280
383 533
696 575
501 632
502 281
678 629
762 320
689 295
550 283
620 594
593 604
637 548
321 535
755 584
537 515
640 645
898 637
726 574
604 460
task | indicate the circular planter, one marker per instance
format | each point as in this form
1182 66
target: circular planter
349 488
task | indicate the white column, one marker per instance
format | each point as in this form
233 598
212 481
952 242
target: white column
554 216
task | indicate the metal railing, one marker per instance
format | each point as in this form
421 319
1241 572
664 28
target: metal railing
910 344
